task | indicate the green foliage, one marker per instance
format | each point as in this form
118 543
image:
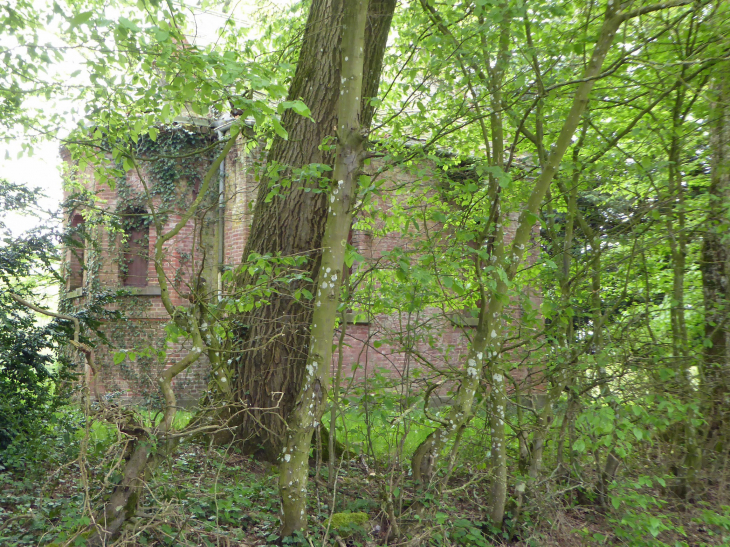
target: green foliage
175 161
616 339
459 531
31 367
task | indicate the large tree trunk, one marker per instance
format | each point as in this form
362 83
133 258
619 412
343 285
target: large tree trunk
715 267
272 348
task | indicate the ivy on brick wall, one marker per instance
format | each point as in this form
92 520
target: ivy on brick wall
175 163
173 166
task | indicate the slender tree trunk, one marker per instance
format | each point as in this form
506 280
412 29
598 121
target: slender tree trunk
489 331
310 404
545 416
715 267
272 344
675 223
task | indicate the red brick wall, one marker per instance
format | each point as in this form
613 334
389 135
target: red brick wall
442 343
438 345
142 331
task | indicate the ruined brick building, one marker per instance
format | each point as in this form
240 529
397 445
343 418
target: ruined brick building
115 240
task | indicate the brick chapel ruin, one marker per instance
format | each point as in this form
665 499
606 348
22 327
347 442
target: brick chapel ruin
114 246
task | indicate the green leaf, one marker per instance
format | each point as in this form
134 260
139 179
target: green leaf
438 216
579 445
655 526
279 129
300 108
127 24
81 18
119 357
189 90
161 35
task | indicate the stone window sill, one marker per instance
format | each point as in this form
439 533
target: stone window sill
464 320
74 293
143 291
353 319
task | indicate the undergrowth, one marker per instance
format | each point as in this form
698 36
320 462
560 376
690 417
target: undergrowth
212 496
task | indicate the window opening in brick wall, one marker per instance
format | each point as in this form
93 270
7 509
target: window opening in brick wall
136 256
78 253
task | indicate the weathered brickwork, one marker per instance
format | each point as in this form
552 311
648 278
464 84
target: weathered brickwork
393 345
422 347
140 336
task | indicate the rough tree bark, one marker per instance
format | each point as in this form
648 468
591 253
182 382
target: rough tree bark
272 349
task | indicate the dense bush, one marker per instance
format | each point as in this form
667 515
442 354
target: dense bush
31 367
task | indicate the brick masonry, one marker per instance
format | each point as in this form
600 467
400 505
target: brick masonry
371 349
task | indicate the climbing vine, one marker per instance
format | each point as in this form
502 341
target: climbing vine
172 167
175 163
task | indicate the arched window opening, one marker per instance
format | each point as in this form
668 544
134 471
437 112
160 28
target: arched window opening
197 181
136 248
77 249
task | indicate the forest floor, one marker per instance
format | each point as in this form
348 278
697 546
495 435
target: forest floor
216 497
